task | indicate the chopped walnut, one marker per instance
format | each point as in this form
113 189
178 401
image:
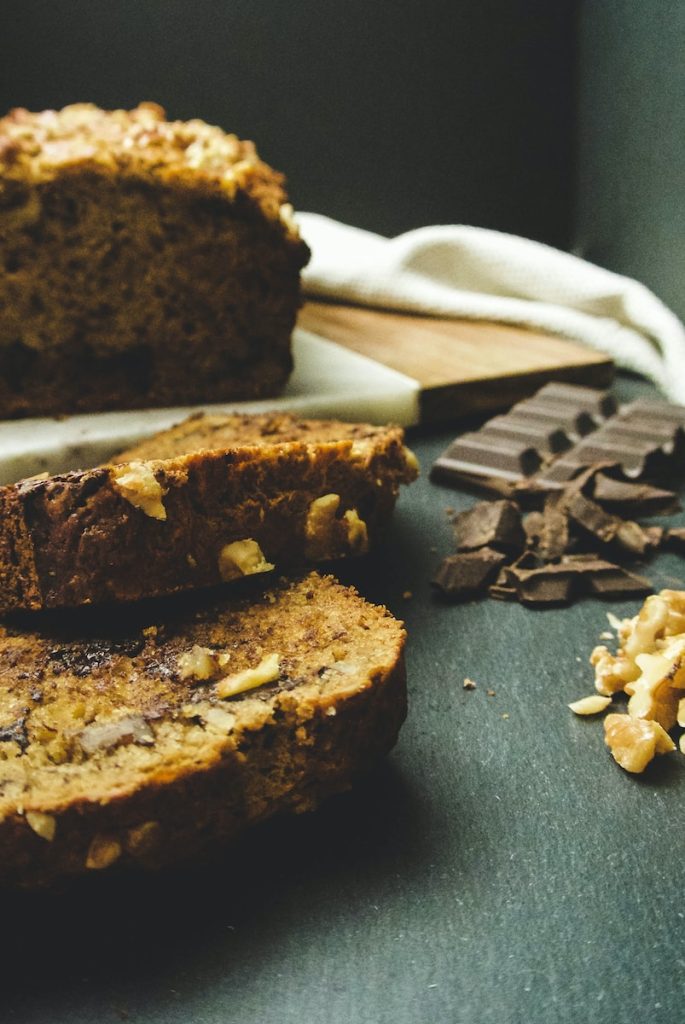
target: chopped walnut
198 663
44 825
634 742
136 482
242 558
267 671
109 735
649 667
591 705
321 526
656 691
103 851
357 534
140 839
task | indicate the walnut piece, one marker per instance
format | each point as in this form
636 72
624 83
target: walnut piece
267 671
118 733
328 536
136 482
198 663
649 667
103 851
321 527
357 534
591 705
242 558
44 825
633 742
140 839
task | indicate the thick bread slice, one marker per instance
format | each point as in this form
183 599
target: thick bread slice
189 722
210 500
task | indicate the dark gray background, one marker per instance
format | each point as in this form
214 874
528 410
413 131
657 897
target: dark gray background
561 121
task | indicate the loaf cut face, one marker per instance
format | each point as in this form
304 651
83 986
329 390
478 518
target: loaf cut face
213 499
142 263
149 737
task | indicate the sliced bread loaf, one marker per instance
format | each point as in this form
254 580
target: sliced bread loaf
143 262
213 499
154 740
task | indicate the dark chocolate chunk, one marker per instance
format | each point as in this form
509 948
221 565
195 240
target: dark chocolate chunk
494 524
618 582
468 574
573 576
554 536
607 528
625 497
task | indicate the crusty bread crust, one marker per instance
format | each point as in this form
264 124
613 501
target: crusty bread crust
143 262
79 793
288 493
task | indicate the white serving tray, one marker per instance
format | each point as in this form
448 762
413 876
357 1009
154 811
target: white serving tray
328 380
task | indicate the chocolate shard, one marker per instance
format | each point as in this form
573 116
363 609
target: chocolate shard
618 582
626 498
607 528
555 536
572 577
549 584
468 574
495 524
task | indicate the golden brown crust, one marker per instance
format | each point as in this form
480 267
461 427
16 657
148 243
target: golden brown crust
111 753
149 526
38 147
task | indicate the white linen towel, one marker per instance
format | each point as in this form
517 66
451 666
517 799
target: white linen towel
478 274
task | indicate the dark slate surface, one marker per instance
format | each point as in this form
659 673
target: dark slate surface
494 869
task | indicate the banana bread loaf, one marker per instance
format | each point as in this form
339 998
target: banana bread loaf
142 263
190 721
212 499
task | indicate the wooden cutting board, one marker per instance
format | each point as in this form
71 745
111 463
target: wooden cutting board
461 366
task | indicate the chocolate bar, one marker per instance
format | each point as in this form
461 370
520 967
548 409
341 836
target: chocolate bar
547 440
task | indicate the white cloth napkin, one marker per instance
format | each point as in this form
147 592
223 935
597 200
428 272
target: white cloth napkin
478 274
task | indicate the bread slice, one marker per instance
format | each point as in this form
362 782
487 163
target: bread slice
142 263
149 738
213 499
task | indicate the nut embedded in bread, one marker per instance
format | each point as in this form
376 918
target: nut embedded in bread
192 720
211 500
142 263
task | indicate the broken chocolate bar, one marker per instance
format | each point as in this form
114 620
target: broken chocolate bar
468 574
624 497
495 524
573 576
